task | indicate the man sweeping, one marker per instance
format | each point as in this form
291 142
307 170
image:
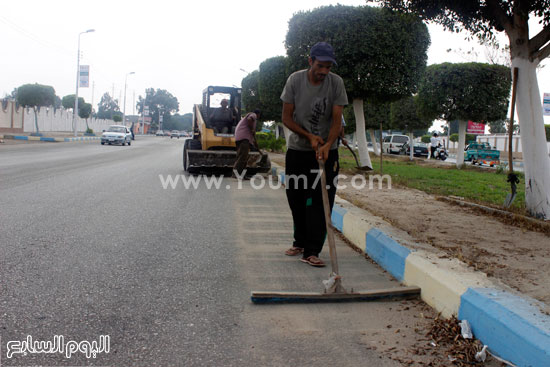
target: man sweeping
313 100
245 138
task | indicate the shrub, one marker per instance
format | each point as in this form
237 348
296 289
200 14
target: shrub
267 141
89 131
426 138
469 138
117 118
547 128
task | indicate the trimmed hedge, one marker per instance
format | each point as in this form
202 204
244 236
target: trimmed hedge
469 138
267 141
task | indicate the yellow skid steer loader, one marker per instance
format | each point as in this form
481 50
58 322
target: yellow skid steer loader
212 147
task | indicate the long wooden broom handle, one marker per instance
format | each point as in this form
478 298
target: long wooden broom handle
328 221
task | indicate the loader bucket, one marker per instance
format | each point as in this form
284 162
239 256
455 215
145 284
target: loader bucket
214 160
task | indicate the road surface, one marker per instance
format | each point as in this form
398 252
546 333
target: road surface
93 245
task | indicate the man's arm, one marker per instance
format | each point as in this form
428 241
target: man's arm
288 121
334 132
252 128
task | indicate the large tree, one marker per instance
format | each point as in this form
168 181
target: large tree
107 107
178 122
497 126
84 109
485 18
36 96
468 91
251 94
404 115
271 81
381 55
160 102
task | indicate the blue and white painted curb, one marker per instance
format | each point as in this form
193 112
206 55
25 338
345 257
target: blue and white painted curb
51 139
512 326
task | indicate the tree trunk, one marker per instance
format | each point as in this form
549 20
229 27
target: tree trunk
462 125
411 145
448 134
533 141
374 144
36 120
381 147
361 135
354 141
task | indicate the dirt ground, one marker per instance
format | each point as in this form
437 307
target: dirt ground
513 255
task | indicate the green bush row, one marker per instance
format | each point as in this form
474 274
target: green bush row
267 141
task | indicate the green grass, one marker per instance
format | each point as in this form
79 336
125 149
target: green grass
471 183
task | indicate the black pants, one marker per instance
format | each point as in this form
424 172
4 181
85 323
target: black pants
432 151
303 191
243 148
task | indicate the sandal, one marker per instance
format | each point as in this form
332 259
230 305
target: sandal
313 261
293 251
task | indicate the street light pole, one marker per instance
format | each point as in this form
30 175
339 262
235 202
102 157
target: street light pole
125 85
75 112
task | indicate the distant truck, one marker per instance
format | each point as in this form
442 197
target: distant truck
482 153
209 150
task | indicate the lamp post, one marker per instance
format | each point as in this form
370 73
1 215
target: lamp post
125 85
75 112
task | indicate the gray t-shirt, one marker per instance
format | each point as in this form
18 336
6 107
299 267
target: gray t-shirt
313 105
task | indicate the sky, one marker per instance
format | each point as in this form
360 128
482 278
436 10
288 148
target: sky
181 46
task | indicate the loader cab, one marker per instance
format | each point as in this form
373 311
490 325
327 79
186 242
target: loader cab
223 122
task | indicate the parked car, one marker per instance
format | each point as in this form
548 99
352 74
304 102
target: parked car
174 134
393 143
159 133
482 153
117 134
419 149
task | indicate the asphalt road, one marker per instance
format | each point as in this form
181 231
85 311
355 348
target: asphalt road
92 244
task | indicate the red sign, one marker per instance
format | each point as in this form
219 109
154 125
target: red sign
475 128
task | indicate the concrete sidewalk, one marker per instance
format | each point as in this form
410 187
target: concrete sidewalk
514 326
51 138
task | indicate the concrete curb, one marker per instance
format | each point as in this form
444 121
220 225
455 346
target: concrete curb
512 326
51 139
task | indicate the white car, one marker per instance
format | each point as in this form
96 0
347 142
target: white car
393 143
117 134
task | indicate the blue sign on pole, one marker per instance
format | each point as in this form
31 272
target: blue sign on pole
84 76
546 104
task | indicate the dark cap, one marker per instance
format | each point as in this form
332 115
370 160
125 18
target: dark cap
322 51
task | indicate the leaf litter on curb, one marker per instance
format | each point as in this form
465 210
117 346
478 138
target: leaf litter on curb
447 334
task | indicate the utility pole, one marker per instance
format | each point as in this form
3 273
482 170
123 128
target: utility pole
75 112
124 107
93 87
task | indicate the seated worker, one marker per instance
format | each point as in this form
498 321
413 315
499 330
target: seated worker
222 119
